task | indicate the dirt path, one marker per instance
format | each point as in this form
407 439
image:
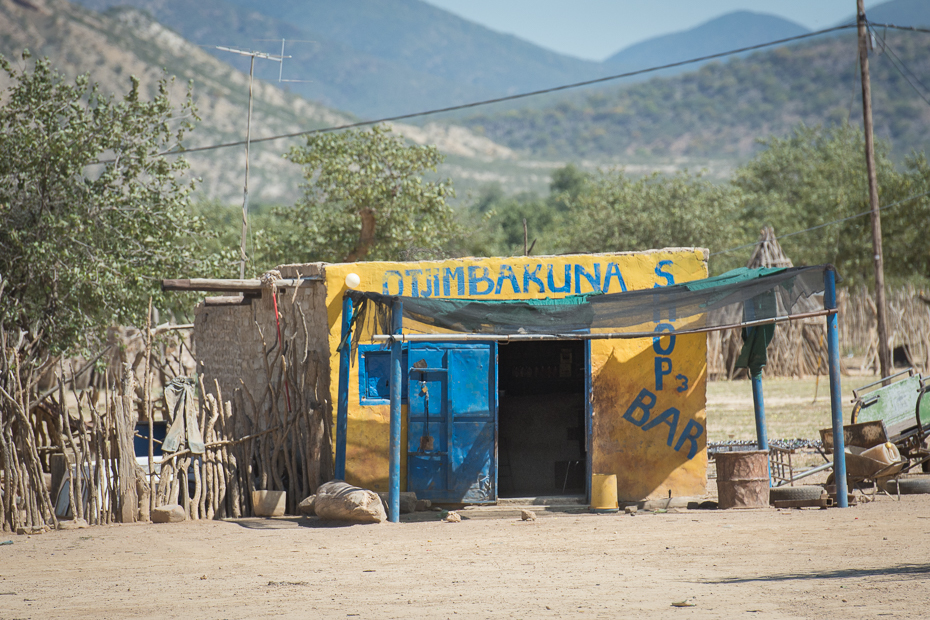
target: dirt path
868 561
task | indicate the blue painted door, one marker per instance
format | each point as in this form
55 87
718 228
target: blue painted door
452 422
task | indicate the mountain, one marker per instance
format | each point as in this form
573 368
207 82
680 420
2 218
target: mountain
374 58
898 12
731 31
722 109
126 43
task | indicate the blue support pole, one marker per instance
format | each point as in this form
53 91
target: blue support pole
758 405
397 383
342 406
836 404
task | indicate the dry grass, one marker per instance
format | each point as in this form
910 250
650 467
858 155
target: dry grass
791 411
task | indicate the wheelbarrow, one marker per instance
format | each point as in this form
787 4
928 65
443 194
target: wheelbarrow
898 402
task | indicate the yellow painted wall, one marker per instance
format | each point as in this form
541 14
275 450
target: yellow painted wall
628 441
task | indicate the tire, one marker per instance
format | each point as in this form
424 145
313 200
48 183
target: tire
795 493
908 486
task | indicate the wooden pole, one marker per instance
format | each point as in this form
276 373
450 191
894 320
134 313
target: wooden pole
243 257
128 503
884 350
147 406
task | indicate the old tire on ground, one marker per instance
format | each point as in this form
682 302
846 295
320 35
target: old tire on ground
804 492
908 486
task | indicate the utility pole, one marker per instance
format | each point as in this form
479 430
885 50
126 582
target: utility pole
884 350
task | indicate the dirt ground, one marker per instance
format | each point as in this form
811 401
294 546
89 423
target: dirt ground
866 561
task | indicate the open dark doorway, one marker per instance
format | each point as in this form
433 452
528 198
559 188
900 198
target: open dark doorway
541 418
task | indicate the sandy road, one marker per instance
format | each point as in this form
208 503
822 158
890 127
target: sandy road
868 561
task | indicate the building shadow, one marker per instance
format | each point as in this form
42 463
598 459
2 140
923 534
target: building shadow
902 571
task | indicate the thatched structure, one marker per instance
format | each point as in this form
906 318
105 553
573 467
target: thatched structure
799 347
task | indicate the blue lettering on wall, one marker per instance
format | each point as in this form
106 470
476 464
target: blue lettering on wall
481 280
639 414
593 280
657 340
660 272
530 276
507 275
670 417
386 288
657 314
432 283
414 281
663 367
613 271
692 431
644 402
474 280
567 284
448 275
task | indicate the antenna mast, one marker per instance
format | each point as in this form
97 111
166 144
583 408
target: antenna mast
243 257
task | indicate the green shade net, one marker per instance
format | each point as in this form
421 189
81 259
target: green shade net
732 299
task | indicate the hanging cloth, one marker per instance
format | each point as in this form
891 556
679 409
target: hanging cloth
179 399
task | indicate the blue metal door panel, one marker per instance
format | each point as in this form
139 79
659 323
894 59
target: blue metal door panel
457 384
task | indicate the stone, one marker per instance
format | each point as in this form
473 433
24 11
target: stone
306 506
423 505
408 501
76 524
340 501
630 510
170 513
453 517
527 515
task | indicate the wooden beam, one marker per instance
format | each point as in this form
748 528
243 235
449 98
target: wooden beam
211 285
231 286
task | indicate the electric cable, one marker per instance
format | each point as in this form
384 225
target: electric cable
908 28
893 58
534 93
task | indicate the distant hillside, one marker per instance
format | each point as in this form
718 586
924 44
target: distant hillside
374 58
126 42
723 108
898 12
731 31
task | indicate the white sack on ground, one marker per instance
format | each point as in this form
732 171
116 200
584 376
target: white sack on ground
341 501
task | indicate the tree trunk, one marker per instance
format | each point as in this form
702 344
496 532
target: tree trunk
366 237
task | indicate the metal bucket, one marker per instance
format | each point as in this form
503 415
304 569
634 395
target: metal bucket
743 479
604 493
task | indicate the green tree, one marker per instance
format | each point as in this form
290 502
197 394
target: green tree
613 212
365 199
817 176
93 215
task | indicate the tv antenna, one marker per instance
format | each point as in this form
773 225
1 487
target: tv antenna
281 66
248 138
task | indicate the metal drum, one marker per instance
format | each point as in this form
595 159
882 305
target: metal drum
743 479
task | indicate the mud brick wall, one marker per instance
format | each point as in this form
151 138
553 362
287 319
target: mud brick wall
231 342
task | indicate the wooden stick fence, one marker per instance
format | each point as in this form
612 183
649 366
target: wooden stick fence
799 349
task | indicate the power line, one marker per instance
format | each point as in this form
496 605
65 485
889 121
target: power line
825 224
895 61
910 28
544 91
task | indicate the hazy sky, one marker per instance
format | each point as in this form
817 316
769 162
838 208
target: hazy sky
596 29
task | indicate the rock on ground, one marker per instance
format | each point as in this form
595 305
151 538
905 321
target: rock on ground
170 513
408 501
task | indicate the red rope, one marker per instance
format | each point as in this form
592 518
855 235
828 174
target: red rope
277 321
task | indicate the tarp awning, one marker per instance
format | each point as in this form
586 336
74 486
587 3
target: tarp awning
754 295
